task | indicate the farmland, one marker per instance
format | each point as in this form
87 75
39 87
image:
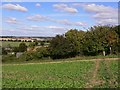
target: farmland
74 74
16 44
12 44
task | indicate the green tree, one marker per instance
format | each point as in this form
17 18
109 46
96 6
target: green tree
3 51
42 43
15 49
41 52
32 44
89 44
22 47
100 38
36 42
61 47
56 47
75 39
116 45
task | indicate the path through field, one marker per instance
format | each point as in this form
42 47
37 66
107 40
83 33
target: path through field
109 78
94 79
92 73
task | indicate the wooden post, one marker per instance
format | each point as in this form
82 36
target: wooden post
103 53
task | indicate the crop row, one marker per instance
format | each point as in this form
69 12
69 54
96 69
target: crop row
66 75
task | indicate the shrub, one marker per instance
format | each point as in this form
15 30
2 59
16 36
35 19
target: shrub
22 47
8 58
15 49
27 56
41 53
3 51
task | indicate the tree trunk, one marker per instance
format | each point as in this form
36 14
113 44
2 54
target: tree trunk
103 53
110 50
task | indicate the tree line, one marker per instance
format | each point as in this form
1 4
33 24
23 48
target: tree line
96 40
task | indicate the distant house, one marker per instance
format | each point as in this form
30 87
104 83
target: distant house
11 53
8 49
18 54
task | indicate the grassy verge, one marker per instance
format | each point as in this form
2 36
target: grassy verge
14 60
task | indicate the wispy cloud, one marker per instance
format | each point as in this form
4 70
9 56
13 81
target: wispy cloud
37 5
50 30
102 14
70 23
11 20
65 8
16 7
40 18
39 28
37 17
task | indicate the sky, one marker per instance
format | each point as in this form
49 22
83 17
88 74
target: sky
52 18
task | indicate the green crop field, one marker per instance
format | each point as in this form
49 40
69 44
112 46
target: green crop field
79 74
12 44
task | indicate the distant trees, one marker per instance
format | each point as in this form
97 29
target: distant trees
15 49
98 39
58 47
36 42
116 45
74 38
3 51
32 44
22 47
42 43
41 53
68 45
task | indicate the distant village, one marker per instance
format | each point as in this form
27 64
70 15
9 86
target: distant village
24 39
10 50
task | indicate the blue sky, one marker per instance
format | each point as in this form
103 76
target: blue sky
51 18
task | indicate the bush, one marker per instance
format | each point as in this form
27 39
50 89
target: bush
22 47
27 56
8 58
41 53
3 51
15 49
